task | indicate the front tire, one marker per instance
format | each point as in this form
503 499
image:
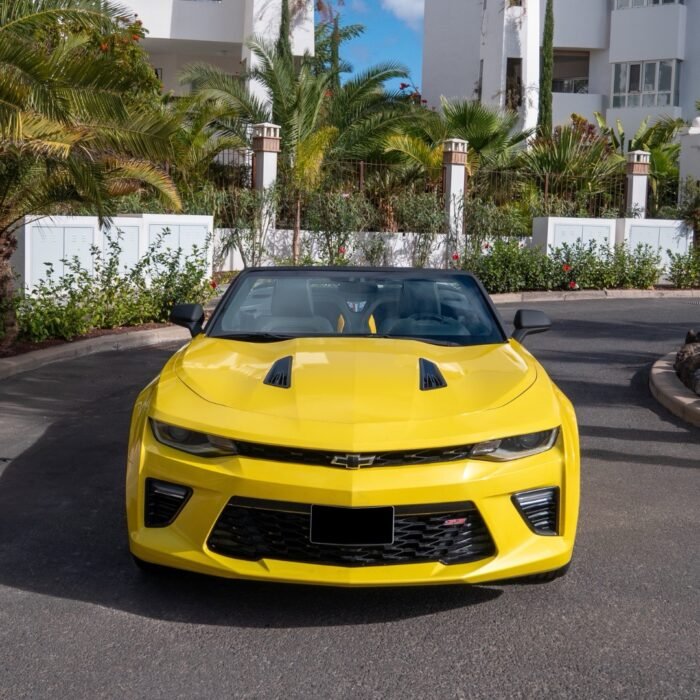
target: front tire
146 567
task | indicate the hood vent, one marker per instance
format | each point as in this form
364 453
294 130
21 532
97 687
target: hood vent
280 374
430 376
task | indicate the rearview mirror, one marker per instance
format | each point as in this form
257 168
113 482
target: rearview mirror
528 322
191 316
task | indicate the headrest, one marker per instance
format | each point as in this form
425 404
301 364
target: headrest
419 297
292 298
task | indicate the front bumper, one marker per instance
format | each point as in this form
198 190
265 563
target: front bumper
517 550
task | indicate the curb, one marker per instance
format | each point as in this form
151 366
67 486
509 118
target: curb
121 341
590 295
671 393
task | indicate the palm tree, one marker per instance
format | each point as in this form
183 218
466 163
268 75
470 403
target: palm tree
492 135
67 135
317 118
659 139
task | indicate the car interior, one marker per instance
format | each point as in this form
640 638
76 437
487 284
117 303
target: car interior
400 307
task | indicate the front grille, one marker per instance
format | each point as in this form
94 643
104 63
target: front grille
452 533
323 458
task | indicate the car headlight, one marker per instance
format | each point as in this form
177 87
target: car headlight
200 444
516 447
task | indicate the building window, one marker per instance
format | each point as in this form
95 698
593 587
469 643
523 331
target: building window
514 83
515 3
646 84
626 4
571 69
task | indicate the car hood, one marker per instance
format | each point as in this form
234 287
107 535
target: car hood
351 391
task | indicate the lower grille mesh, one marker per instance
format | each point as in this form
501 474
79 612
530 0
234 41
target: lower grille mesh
252 533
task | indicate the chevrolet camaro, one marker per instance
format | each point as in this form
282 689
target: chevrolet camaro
354 427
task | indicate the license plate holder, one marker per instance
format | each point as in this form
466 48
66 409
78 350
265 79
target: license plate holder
352 527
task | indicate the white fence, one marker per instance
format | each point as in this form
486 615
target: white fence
660 234
51 240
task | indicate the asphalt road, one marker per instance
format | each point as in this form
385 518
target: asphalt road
78 620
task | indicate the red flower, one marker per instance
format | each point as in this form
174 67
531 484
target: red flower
342 250
455 256
572 285
566 267
135 37
214 284
104 48
487 246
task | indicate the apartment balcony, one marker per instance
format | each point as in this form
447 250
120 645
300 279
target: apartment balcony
213 21
566 103
647 33
580 25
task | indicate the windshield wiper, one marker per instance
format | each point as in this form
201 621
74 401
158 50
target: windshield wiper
254 337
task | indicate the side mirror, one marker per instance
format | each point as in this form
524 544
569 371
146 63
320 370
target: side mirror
191 316
529 321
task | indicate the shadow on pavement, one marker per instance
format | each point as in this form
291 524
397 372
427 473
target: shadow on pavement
63 534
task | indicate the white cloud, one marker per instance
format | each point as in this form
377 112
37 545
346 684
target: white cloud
359 6
409 11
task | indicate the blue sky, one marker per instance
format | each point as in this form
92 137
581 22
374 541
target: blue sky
394 31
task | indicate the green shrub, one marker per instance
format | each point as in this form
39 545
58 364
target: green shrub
684 270
110 296
333 219
506 266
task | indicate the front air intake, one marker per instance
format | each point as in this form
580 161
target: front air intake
430 376
280 374
540 510
163 502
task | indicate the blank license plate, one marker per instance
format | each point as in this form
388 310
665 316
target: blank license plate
354 527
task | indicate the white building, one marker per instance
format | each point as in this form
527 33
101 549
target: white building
625 58
214 31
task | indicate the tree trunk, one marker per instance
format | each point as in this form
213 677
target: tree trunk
296 240
8 317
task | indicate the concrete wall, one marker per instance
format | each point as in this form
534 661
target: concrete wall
171 63
54 239
565 104
553 232
690 68
580 25
631 117
452 41
660 234
492 53
192 20
648 33
689 164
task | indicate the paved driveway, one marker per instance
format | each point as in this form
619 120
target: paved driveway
78 620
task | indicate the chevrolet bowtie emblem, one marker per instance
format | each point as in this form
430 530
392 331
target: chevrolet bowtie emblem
353 461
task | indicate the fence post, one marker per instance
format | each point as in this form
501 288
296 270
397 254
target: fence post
455 161
638 166
266 148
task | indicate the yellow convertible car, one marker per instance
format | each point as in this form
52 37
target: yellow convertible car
354 427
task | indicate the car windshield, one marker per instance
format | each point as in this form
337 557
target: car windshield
269 305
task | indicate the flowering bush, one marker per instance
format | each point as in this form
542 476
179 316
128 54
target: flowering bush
111 296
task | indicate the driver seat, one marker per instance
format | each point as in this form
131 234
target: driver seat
418 297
